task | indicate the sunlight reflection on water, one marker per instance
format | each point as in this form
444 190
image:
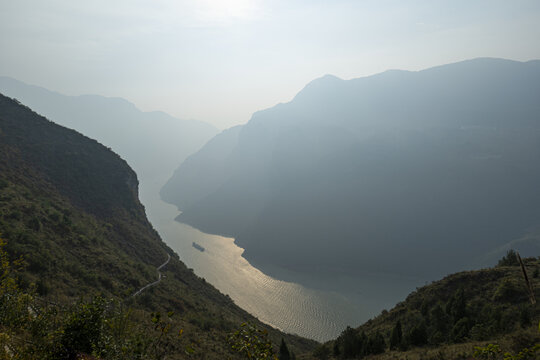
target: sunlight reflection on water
291 307
288 306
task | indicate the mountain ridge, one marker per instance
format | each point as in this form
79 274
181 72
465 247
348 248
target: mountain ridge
139 137
362 148
11 81
84 233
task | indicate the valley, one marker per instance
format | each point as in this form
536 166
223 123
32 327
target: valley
69 210
388 174
270 180
238 185
318 309
315 307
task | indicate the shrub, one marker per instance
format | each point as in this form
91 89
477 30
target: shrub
375 344
322 352
460 331
252 343
510 259
507 292
417 335
396 337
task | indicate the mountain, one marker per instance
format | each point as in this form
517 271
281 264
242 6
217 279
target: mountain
388 173
203 172
448 318
69 207
139 137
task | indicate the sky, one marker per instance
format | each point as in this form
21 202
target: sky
221 60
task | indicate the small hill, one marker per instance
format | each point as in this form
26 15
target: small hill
448 318
69 208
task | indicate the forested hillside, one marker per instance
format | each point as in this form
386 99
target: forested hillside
453 317
69 209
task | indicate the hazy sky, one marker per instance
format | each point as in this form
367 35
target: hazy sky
221 60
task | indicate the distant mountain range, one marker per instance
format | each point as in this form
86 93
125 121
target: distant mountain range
418 173
153 143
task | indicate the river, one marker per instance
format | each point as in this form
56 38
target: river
320 311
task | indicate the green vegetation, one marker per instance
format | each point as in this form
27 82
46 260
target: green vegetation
252 343
284 353
79 245
31 327
69 209
449 318
510 259
493 351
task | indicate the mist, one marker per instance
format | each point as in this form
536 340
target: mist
315 161
221 61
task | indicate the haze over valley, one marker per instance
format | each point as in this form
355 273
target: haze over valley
253 179
350 193
387 173
140 137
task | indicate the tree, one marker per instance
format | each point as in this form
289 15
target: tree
84 328
456 307
322 352
510 259
351 343
346 343
375 344
524 317
335 349
417 336
396 337
252 343
460 331
439 319
34 329
284 351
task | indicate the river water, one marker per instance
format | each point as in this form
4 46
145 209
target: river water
319 311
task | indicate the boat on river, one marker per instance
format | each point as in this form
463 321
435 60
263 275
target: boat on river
197 246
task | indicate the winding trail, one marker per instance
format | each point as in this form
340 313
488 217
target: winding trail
155 282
